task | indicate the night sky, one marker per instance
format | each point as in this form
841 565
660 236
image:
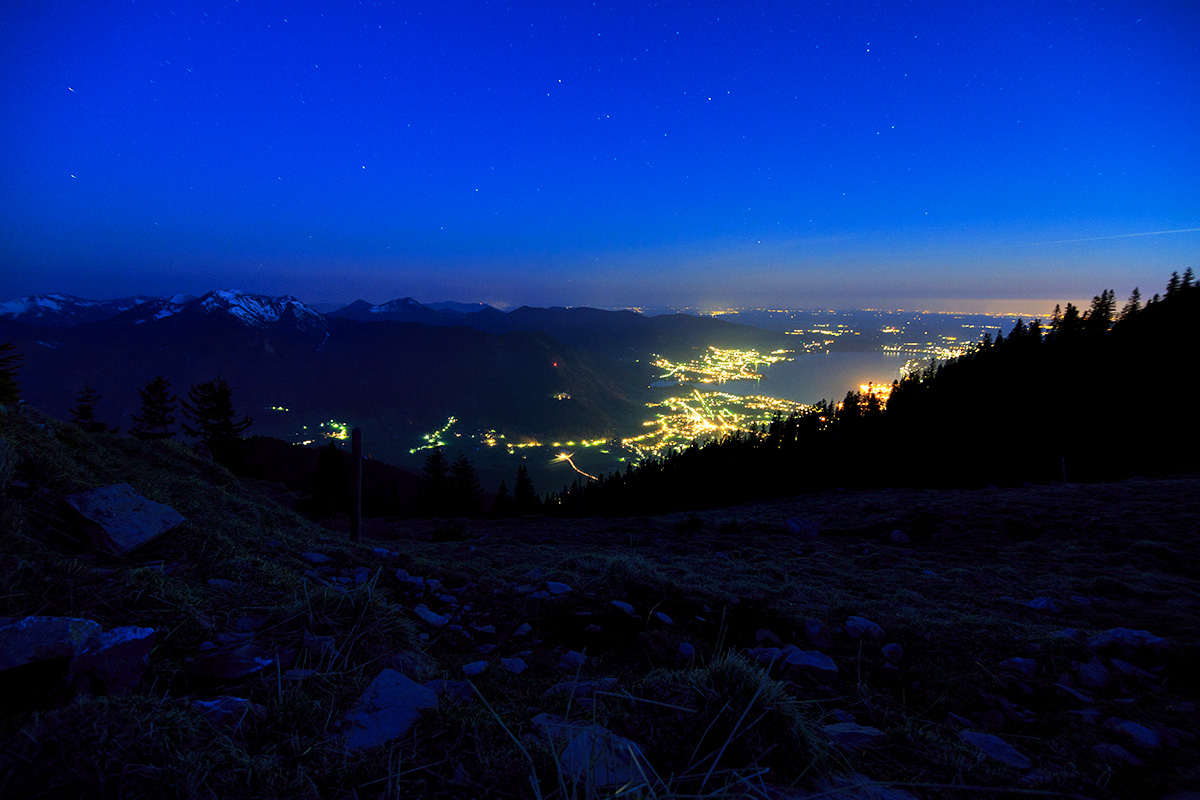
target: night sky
610 154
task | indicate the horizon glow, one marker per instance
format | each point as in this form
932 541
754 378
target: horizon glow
743 155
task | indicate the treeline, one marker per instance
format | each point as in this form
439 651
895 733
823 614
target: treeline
1096 394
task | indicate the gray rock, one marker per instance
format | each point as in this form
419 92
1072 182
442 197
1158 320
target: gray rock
221 583
1025 667
803 528
316 559
1128 642
812 662
1115 754
623 606
851 735
1043 604
816 633
361 575
514 665
430 617
555 588
572 660
523 630
116 661
474 668
764 635
27 640
766 655
863 628
118 519
1093 674
412 580
686 651
484 628
663 618
1124 668
593 755
893 652
899 537
234 663
533 574
1075 693
599 757
997 748
1141 736
385 710
540 594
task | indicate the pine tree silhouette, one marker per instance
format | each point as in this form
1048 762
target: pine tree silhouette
157 415
210 408
84 413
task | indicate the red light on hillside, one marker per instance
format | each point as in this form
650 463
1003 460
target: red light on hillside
556 363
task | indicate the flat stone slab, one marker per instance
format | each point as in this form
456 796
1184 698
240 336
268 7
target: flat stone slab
813 662
118 519
386 709
27 640
116 661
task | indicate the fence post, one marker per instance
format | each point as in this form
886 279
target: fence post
356 510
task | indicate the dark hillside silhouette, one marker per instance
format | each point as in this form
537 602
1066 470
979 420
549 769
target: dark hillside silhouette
1095 396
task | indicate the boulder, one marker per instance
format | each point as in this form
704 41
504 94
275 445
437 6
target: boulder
995 747
1043 604
114 662
1127 642
474 668
851 735
817 635
1115 754
1093 674
430 617
572 659
1139 735
514 665
594 755
234 663
556 588
623 606
863 628
118 519
1025 667
27 640
812 662
385 710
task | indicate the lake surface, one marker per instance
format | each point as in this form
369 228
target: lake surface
815 376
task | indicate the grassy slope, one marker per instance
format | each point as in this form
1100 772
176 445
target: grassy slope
1110 555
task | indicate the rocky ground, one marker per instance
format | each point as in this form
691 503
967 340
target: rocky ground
882 644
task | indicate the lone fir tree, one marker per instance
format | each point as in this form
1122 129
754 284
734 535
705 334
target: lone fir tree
157 416
84 413
210 408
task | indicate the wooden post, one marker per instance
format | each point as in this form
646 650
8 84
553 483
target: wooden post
356 510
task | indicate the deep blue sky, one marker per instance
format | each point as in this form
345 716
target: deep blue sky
741 153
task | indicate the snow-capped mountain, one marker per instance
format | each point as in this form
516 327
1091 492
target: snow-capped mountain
253 310
65 310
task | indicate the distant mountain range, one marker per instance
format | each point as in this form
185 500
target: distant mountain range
402 367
